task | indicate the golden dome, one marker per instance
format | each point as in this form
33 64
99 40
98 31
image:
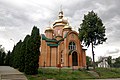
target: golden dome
67 27
48 29
61 20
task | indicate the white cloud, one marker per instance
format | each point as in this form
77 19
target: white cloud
7 44
112 50
2 28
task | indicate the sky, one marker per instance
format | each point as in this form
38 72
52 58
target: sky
17 18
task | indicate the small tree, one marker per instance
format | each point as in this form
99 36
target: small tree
92 31
7 59
88 62
109 60
2 56
117 62
12 57
16 55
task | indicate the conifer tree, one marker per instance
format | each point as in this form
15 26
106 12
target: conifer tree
22 54
2 56
12 57
92 31
32 52
7 59
16 55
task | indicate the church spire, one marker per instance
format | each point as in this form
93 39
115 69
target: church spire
61 13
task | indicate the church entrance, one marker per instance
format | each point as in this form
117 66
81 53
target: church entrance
74 59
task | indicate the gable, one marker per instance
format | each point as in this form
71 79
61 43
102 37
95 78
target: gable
72 35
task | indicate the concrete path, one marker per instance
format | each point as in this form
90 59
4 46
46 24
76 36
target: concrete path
9 73
94 74
106 79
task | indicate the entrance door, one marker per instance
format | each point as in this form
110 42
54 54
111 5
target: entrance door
74 59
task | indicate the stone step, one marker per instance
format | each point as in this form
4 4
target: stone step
13 77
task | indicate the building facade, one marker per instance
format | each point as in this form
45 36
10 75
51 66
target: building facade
103 62
60 45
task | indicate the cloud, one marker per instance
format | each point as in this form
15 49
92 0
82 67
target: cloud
2 29
17 17
113 50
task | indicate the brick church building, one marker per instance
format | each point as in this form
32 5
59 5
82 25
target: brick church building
60 45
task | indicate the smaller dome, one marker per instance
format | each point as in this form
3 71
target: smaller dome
48 29
67 27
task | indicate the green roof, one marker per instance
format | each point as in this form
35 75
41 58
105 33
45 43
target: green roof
52 45
47 39
52 40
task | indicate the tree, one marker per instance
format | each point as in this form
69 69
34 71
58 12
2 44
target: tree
88 62
2 56
109 60
12 57
22 54
117 63
16 55
7 59
32 52
92 31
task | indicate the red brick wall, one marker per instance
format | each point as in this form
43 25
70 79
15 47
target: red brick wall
52 56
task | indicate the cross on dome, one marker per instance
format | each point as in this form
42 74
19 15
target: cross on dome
61 13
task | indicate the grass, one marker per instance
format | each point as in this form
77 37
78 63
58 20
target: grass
108 72
68 74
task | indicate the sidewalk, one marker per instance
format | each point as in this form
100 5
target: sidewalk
9 73
105 79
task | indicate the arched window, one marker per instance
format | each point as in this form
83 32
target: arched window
72 46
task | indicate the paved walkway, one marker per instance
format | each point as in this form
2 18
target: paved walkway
94 74
9 73
106 79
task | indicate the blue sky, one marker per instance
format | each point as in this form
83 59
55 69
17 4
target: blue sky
17 17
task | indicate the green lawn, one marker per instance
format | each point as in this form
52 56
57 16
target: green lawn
68 74
108 72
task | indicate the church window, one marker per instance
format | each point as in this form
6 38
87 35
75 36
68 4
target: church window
72 46
58 31
61 55
61 60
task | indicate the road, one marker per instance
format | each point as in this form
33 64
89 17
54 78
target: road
9 73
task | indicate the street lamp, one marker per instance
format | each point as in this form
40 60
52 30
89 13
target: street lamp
13 41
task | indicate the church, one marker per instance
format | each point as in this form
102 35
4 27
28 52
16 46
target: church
61 46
